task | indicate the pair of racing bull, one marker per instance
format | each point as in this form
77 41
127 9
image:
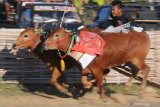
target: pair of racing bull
131 49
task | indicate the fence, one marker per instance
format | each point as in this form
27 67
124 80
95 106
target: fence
24 68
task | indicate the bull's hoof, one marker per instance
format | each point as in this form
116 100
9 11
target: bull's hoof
76 96
64 95
105 99
141 96
85 90
126 89
89 89
75 92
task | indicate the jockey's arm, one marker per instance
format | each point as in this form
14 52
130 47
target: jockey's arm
101 19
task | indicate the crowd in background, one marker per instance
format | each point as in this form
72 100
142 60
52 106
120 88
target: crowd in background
9 6
6 4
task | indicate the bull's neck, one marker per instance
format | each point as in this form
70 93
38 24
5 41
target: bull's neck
65 45
37 48
36 41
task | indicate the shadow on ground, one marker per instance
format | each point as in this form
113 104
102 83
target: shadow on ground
18 68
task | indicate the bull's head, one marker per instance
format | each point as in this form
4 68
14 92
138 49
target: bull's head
27 39
57 38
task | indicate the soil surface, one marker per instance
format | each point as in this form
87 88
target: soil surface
38 99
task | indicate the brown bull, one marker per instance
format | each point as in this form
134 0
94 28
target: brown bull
30 39
120 48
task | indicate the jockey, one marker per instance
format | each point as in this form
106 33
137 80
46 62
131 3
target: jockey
119 21
111 15
117 17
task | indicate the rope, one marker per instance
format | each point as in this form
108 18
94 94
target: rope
62 62
69 48
62 19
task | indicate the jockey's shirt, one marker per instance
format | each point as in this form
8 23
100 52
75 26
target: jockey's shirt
117 21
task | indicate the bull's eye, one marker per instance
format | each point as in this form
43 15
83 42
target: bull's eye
26 36
56 35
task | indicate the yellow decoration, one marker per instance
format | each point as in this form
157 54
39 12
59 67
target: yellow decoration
62 65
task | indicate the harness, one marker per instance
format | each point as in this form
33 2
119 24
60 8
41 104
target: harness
68 52
44 35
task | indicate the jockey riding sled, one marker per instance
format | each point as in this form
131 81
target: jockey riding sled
88 51
130 48
98 50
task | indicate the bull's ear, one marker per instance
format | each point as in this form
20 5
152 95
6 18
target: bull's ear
28 28
37 31
32 29
61 29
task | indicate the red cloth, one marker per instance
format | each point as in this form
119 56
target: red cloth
90 43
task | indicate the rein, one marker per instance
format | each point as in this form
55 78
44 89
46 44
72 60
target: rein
68 50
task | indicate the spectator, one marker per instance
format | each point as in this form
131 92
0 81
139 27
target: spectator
1 3
6 6
55 0
1 8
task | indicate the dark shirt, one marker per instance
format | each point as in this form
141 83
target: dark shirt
117 21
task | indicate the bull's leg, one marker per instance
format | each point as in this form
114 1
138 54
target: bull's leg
87 84
135 70
99 79
145 71
55 75
128 84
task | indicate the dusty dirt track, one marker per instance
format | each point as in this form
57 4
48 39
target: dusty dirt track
151 99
